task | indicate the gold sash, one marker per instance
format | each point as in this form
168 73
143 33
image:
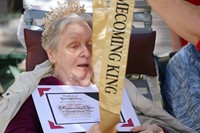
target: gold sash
111 35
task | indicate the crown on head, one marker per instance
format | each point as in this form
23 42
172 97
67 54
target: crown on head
64 9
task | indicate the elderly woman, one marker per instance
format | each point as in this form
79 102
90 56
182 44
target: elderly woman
68 43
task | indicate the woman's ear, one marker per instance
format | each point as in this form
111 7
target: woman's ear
51 56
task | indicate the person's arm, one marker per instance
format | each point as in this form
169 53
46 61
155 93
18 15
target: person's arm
176 41
181 16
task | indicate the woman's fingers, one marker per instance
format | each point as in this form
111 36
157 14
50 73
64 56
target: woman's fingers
147 129
138 129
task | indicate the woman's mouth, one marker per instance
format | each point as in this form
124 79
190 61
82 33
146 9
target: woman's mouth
84 65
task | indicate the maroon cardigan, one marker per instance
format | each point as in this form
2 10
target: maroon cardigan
26 120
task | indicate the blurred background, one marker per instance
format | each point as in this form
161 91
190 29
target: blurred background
10 11
11 51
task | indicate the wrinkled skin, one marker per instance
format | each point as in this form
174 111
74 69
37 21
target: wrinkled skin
72 58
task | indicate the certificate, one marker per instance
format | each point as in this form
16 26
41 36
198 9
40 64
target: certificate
66 108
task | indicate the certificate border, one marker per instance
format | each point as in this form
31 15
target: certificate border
53 113
127 114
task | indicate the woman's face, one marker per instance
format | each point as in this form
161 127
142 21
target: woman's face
73 56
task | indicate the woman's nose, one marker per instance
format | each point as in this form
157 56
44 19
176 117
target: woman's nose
85 52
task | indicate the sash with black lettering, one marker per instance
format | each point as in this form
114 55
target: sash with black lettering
111 35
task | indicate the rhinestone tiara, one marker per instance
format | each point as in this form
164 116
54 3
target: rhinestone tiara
63 9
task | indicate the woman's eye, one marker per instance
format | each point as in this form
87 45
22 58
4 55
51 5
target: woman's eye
74 45
89 44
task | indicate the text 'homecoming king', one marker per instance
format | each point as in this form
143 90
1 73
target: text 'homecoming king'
116 46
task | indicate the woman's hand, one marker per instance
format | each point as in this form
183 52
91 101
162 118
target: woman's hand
94 129
147 129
